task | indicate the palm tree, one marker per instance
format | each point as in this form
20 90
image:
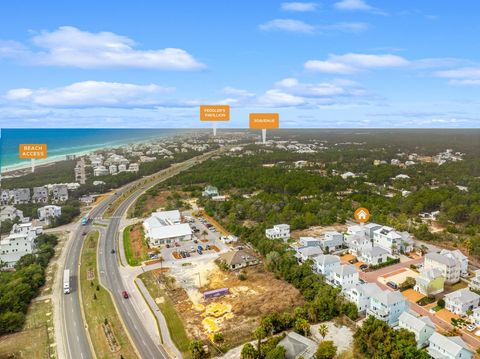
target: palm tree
323 330
260 333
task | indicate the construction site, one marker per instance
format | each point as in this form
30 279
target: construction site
241 302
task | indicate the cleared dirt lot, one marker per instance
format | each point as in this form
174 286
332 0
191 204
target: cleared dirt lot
317 231
237 314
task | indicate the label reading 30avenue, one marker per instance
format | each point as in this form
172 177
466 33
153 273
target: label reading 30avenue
264 120
32 150
214 113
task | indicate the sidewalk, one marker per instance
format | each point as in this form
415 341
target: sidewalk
164 332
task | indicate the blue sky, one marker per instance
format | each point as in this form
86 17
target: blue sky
340 63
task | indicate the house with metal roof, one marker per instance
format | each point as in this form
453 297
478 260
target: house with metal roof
324 263
461 301
442 347
374 255
422 327
387 306
361 295
345 276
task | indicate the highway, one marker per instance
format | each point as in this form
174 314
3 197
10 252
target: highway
74 332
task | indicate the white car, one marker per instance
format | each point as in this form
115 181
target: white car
471 327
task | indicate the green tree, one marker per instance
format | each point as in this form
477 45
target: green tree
248 352
302 327
197 350
323 330
278 352
326 350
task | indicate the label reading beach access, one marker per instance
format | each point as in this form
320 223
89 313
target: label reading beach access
214 113
264 120
32 150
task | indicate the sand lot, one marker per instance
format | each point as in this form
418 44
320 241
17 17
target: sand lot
398 276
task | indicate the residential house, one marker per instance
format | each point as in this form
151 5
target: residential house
229 239
442 347
458 256
133 167
40 195
324 263
100 171
165 227
475 281
112 169
239 258
394 242
331 241
21 195
5 196
422 327
430 282
387 306
10 213
374 255
19 242
210 191
46 213
297 346
461 301
361 295
279 231
346 276
309 242
358 243
59 193
304 253
449 267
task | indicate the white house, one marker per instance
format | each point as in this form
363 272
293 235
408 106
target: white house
345 276
442 347
393 241
475 281
46 213
449 267
10 213
324 263
461 301
374 255
459 257
165 227
361 295
422 327
347 175
210 191
305 253
309 242
332 241
279 231
19 242
387 306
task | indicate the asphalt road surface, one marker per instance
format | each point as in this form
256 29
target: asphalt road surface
73 327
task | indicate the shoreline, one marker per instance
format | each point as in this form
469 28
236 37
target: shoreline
20 169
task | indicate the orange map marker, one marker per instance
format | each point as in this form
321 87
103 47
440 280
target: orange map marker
361 215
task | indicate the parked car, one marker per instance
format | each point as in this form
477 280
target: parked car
199 251
363 267
177 244
353 261
195 241
125 294
392 285
112 251
192 249
207 247
167 245
200 248
471 327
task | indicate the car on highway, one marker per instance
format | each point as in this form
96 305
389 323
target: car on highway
125 294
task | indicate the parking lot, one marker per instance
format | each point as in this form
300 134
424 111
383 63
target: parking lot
205 236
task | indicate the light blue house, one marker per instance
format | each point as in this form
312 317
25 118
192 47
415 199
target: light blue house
387 306
331 241
422 327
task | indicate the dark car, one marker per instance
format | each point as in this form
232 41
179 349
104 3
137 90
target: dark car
392 285
112 251
125 294
363 267
207 247
167 245
353 261
195 241
84 233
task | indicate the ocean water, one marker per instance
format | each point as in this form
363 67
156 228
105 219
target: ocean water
61 142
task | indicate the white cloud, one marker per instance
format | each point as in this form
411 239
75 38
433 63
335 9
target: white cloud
287 25
357 5
347 26
299 6
466 76
351 62
69 46
95 94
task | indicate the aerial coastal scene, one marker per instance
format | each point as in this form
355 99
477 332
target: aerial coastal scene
239 179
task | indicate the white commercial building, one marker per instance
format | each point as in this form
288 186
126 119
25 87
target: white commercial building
165 227
279 231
